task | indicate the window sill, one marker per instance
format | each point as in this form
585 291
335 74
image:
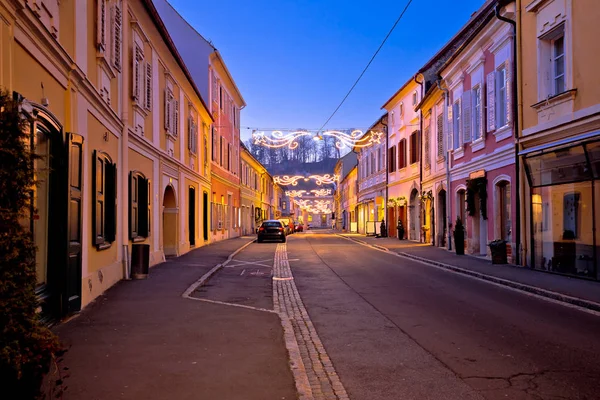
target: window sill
441 159
563 97
477 145
138 239
458 153
503 132
103 246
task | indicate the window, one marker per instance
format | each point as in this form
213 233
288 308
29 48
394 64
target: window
117 34
221 151
402 154
221 97
101 25
558 62
456 123
427 148
192 135
501 96
440 134
401 109
392 159
148 87
373 165
284 205
414 147
138 61
571 216
104 187
139 206
477 113
171 113
414 98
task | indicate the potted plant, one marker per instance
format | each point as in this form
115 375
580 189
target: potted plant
459 237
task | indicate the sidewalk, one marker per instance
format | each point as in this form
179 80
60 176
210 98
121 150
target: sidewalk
575 291
143 340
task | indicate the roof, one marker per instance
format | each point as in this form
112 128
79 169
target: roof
455 40
169 42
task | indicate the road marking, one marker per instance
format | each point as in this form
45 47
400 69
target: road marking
240 263
243 272
233 305
315 376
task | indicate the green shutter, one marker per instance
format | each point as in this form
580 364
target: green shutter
98 196
143 209
110 196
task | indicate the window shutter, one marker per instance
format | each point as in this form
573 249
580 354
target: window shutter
111 200
143 226
427 147
175 118
137 67
440 134
133 205
479 115
450 125
190 134
101 26
466 116
117 35
491 101
148 91
98 190
508 89
167 110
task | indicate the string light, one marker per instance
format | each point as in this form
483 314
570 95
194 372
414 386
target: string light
288 180
293 180
278 139
294 193
321 192
325 179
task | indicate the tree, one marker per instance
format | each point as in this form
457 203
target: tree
27 347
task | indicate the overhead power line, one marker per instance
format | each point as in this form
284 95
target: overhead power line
368 65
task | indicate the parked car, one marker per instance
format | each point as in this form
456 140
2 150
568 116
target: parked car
288 223
299 228
271 230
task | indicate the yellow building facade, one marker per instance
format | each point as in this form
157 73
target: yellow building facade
559 138
123 133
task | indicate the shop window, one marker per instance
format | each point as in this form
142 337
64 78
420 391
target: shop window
104 187
139 206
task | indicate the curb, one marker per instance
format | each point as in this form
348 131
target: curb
209 274
563 298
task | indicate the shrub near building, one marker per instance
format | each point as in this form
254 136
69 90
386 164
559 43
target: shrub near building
27 347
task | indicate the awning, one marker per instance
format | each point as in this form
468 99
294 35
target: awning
567 142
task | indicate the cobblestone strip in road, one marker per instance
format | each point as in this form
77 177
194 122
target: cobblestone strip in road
315 376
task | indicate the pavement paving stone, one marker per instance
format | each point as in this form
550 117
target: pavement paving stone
584 289
321 375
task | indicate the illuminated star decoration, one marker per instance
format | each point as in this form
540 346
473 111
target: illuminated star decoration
278 139
295 193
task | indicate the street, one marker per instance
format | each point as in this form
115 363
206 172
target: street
357 323
395 328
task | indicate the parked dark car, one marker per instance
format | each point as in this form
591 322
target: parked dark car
271 230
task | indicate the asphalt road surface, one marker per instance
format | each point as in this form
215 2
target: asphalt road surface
399 329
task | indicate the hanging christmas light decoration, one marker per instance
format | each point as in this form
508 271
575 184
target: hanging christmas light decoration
278 139
356 138
325 179
295 193
321 192
288 180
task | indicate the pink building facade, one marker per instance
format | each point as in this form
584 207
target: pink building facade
480 138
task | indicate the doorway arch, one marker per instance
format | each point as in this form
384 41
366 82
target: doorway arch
170 218
414 228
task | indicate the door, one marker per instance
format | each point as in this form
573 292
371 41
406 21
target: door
192 215
205 216
72 297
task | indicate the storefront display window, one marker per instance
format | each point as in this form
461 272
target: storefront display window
563 208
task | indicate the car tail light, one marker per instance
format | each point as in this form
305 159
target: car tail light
261 229
280 229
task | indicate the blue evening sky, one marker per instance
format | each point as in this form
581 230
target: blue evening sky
293 61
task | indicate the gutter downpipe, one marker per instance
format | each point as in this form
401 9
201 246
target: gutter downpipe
387 176
448 193
420 162
124 159
515 113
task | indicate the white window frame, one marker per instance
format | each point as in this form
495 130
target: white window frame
501 97
555 57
